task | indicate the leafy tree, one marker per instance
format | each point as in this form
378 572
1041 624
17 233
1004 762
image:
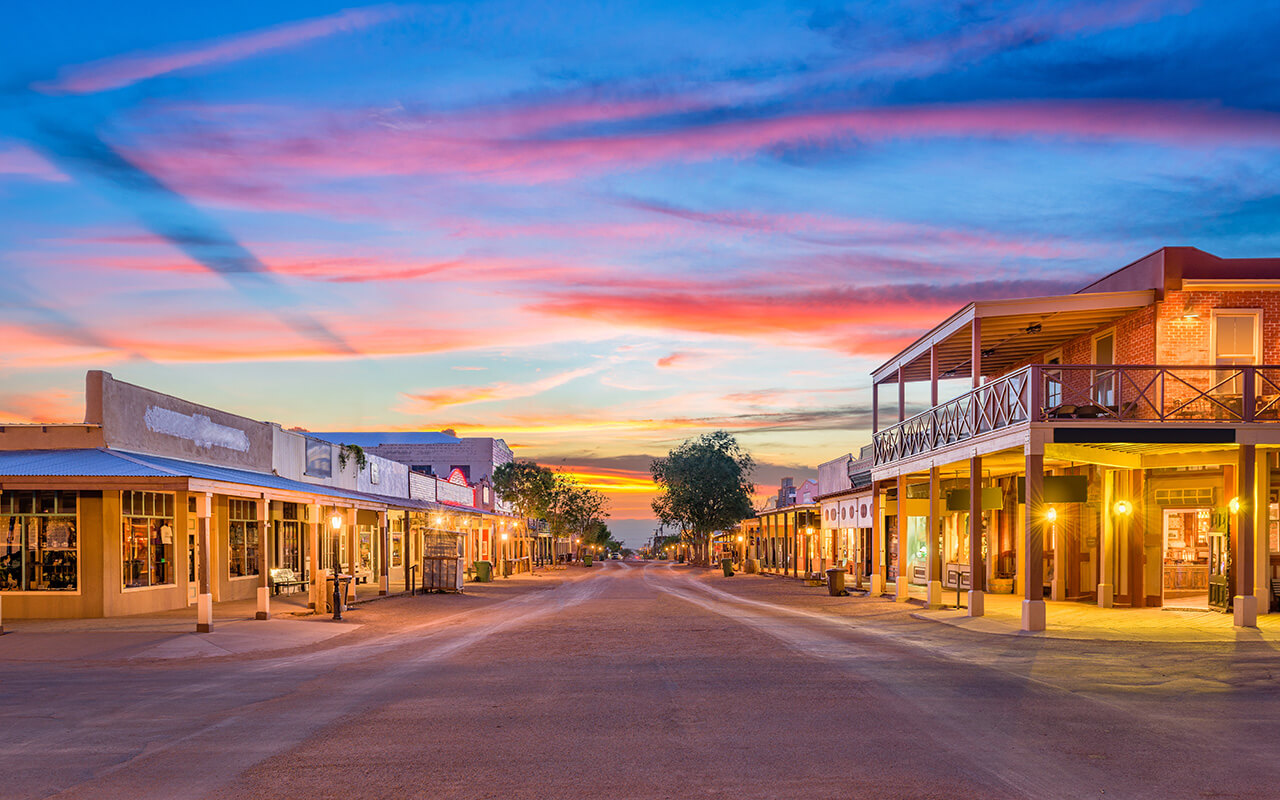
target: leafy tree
705 485
527 486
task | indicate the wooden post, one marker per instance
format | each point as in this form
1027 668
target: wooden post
1244 601
1033 610
877 544
1137 542
977 574
934 555
204 599
1262 531
875 407
902 396
1111 522
933 377
384 560
314 523
264 572
902 592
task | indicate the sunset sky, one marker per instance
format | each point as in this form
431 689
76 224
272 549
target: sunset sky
593 229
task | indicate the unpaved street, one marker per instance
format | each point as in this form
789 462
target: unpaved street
650 680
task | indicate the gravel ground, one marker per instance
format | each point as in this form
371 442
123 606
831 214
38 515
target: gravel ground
652 681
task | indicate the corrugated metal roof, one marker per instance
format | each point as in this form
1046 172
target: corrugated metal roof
89 463
102 463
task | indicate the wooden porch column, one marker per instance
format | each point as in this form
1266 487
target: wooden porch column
1262 531
875 407
316 588
1111 522
975 351
264 572
1137 542
902 396
902 591
204 598
1244 601
877 544
977 573
353 542
384 560
1033 612
934 556
933 376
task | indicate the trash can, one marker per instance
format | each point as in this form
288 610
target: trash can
726 564
484 571
344 591
835 582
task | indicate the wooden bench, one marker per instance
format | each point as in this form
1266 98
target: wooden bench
284 579
1275 594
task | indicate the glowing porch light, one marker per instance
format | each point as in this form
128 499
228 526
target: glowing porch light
1234 505
335 521
1123 508
1051 515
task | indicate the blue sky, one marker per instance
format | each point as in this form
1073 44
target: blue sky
594 229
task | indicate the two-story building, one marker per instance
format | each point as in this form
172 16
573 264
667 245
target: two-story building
1115 446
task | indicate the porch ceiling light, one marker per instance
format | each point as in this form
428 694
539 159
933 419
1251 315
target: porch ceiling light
1051 514
335 521
740 538
1123 507
1034 328
1234 505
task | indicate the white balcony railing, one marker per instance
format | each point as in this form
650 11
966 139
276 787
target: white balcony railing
1094 392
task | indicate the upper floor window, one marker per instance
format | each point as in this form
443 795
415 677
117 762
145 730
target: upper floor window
1235 343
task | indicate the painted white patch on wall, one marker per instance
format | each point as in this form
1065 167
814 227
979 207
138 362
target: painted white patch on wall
197 428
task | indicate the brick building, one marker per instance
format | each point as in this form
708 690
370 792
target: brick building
1115 446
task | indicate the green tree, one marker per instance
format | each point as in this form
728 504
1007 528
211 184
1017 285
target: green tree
704 485
527 486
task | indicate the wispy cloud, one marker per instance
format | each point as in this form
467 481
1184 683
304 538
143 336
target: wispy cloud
120 71
426 402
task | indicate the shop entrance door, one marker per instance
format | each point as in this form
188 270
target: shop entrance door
1187 555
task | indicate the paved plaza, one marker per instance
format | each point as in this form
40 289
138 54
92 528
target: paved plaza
632 679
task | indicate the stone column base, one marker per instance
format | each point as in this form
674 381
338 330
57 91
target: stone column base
264 603
901 589
384 585
877 585
204 613
1033 615
1245 611
934 598
1106 595
976 602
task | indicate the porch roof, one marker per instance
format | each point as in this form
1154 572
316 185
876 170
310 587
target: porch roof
105 463
1011 333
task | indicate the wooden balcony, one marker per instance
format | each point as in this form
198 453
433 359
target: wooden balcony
1100 394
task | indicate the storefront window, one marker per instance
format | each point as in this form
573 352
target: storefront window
242 539
39 551
291 540
146 539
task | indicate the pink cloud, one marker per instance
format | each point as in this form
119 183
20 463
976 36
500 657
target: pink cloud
120 71
358 146
51 405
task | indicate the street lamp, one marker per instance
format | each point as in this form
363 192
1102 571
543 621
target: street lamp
335 522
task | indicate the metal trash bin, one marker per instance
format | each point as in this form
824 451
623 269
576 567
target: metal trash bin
835 582
484 571
586 559
726 564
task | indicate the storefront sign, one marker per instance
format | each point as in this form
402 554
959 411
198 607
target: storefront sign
453 494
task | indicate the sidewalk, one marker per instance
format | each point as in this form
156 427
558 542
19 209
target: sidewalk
171 634
1069 620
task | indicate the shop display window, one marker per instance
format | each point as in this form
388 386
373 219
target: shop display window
147 549
242 537
40 550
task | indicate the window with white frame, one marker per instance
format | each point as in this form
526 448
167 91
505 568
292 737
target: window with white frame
146 539
242 539
39 549
1235 343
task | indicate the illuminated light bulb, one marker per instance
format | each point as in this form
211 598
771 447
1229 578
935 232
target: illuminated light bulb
1051 514
1234 505
335 522
1123 507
